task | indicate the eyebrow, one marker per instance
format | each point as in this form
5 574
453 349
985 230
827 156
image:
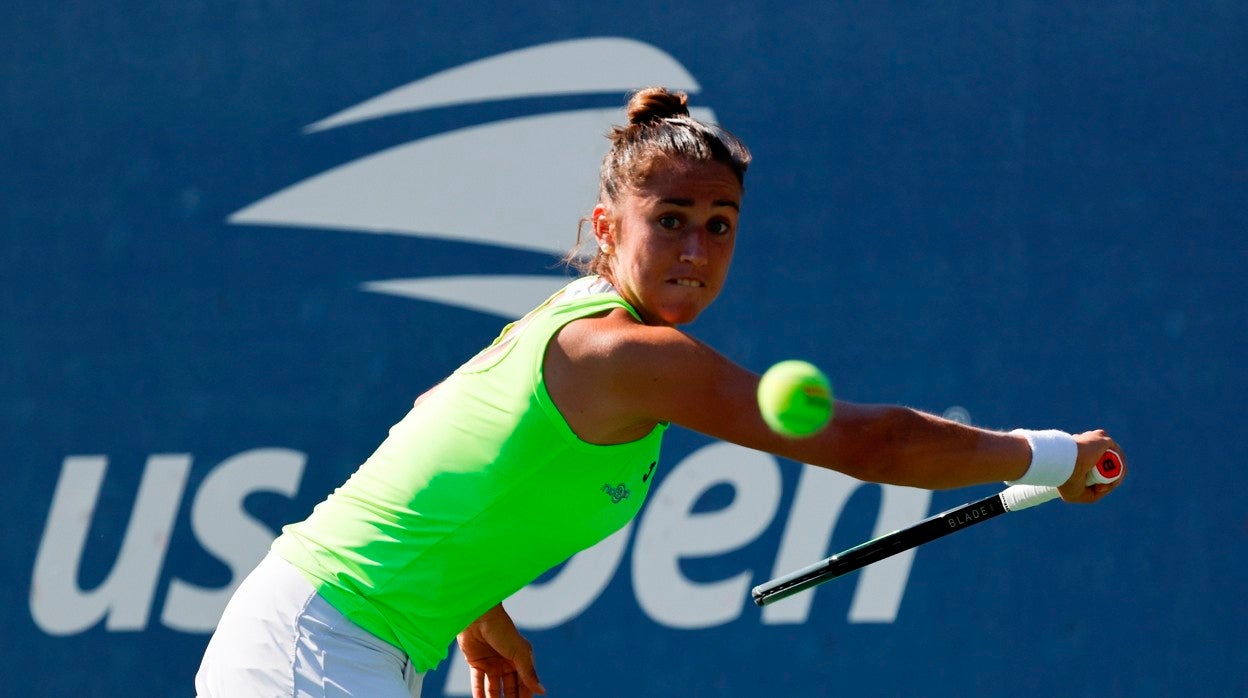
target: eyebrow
689 202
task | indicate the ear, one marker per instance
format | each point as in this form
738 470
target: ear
604 230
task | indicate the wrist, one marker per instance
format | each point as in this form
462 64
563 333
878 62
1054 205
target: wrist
1053 455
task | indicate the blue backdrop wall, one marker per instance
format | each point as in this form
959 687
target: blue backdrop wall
239 238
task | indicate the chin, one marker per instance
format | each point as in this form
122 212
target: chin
679 316
676 311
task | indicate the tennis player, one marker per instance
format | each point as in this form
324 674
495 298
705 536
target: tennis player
546 441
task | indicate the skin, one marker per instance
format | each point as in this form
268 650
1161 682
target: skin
500 660
670 241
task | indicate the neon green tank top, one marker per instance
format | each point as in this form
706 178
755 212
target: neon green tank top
481 488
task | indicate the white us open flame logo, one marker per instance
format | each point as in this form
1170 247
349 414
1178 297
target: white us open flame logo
539 170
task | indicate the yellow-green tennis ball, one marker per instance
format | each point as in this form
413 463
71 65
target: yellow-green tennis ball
795 398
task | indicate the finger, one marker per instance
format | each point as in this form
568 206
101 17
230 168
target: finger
478 683
528 674
509 684
493 686
527 688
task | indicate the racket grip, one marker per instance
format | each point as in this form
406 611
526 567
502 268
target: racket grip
1025 496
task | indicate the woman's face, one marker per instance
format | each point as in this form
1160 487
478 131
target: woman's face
670 240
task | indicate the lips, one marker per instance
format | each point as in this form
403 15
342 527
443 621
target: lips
691 283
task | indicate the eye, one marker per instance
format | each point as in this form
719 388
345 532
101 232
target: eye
719 227
670 222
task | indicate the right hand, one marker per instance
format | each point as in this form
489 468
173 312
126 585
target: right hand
1092 445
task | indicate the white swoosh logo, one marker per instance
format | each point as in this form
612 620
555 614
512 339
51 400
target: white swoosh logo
579 66
520 183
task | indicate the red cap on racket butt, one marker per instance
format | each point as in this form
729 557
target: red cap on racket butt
1108 469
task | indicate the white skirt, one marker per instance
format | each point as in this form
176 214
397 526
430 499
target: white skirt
278 637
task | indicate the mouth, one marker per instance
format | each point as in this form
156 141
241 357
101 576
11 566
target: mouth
691 283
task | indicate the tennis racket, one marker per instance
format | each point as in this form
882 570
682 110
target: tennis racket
1016 498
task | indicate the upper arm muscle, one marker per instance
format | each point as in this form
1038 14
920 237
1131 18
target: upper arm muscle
614 378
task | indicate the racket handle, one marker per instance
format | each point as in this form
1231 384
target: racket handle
1108 469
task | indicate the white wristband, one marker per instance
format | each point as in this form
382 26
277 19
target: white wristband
1053 455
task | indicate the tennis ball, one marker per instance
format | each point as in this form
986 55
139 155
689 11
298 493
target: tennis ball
795 398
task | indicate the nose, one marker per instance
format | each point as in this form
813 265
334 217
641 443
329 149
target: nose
694 247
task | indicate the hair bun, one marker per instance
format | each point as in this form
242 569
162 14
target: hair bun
655 104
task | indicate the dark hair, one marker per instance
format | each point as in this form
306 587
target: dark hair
659 129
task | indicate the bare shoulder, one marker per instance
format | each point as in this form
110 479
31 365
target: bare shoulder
637 373
579 371
615 346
